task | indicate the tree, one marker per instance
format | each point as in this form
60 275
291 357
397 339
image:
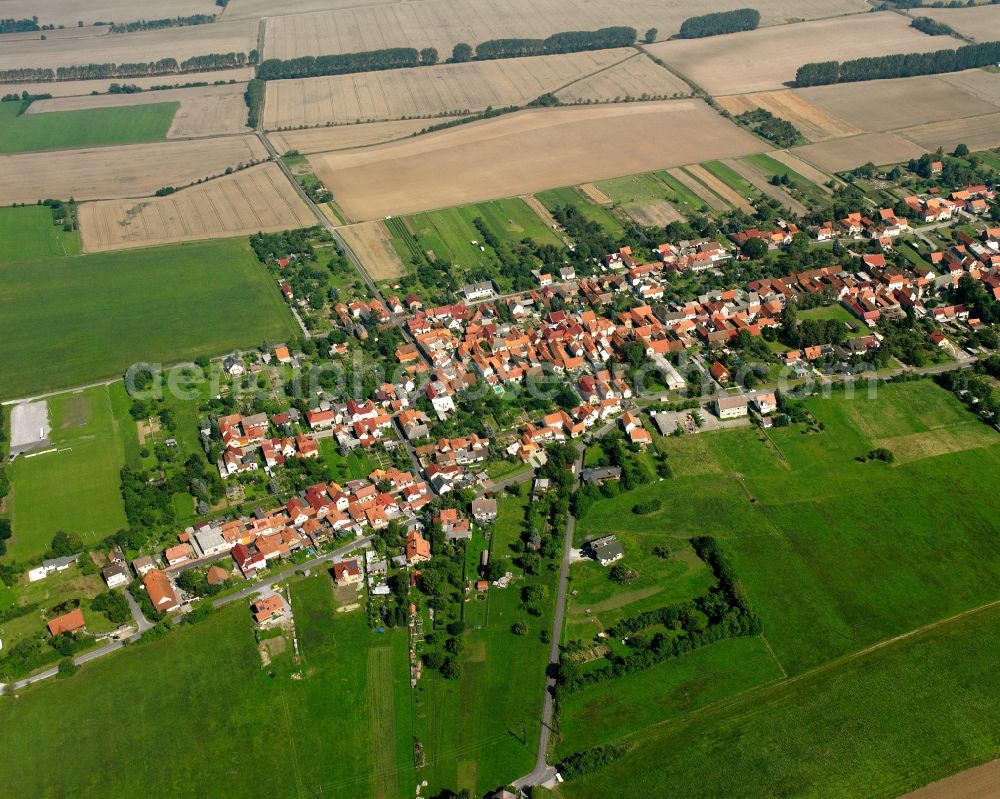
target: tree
962 151
67 667
519 628
650 36
461 52
755 249
428 56
451 669
65 544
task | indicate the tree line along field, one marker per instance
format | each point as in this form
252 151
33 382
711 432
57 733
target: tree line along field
768 58
69 321
444 23
427 91
75 489
60 130
832 553
30 233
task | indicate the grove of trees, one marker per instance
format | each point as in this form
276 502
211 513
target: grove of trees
741 19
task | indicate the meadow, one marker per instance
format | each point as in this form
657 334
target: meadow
75 489
595 213
62 130
68 321
323 724
29 233
831 550
878 725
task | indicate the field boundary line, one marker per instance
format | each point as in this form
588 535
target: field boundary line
593 74
737 698
784 674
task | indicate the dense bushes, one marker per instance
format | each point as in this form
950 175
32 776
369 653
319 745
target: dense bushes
724 612
254 98
775 129
905 65
742 19
590 760
403 57
345 63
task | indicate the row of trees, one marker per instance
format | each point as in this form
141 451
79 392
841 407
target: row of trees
565 42
11 25
905 65
164 66
157 24
403 57
931 27
254 98
742 19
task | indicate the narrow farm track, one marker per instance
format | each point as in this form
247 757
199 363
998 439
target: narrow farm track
745 170
709 197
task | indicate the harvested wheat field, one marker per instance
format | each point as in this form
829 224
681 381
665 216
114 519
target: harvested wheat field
256 199
203 110
135 170
70 88
69 12
445 23
709 197
978 82
728 194
879 105
844 154
132 48
371 243
757 178
658 214
979 133
595 194
427 91
981 24
638 78
244 9
345 137
982 782
526 152
812 121
768 58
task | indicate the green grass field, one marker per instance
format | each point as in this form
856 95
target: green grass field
203 689
770 167
590 210
75 489
832 551
29 233
826 312
732 178
68 321
876 726
60 130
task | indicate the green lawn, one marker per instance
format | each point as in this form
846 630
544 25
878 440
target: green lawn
832 551
59 130
75 489
29 233
877 726
67 321
513 220
825 312
595 213
203 689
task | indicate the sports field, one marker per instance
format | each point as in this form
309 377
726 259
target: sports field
29 233
203 686
837 556
62 130
69 321
76 488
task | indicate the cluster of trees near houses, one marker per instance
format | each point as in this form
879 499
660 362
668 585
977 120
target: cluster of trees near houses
974 387
971 56
724 612
740 19
164 66
404 57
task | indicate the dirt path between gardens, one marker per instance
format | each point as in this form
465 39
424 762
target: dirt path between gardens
540 210
764 185
726 192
